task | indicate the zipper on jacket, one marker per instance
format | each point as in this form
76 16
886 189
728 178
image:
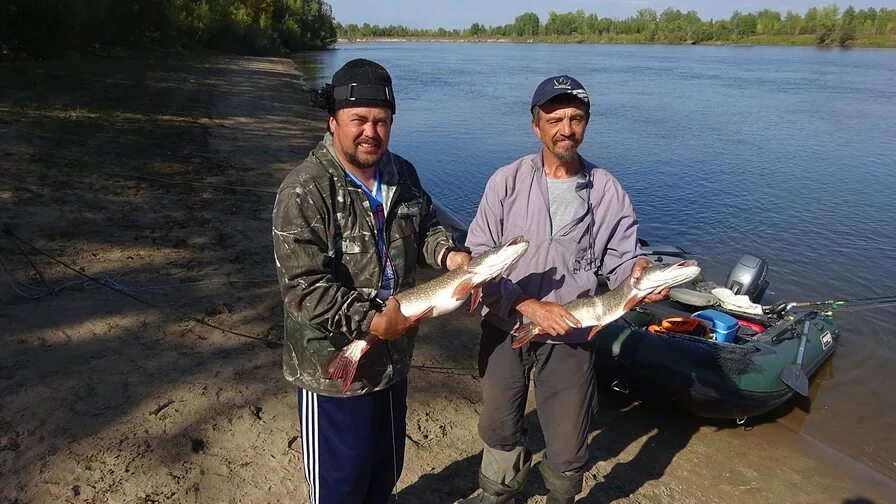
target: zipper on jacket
367 215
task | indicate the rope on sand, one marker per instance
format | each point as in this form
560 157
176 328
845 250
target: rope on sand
111 281
113 285
186 182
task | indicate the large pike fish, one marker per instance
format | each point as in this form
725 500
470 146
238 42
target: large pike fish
437 297
598 311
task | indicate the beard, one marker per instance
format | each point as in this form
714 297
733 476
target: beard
362 161
356 158
566 153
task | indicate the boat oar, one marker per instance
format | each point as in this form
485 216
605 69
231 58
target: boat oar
793 374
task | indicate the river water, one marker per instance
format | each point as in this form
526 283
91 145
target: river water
784 152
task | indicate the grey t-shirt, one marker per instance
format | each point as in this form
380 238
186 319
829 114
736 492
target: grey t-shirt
564 203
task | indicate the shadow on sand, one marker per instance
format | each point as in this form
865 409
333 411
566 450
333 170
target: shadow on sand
620 422
82 140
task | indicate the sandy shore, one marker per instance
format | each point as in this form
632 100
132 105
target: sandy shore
158 177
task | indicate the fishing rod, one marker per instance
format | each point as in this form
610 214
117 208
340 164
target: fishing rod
834 304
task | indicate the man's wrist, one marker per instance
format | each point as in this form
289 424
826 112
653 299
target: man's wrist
521 301
443 262
522 298
376 307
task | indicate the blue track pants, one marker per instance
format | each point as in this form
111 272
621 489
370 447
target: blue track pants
353 447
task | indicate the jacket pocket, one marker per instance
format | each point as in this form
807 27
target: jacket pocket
404 242
409 210
320 353
359 263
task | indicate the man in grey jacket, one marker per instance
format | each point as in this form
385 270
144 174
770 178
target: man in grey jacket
579 222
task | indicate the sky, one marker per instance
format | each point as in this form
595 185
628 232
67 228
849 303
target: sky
462 13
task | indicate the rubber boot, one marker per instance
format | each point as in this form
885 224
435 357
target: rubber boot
501 475
562 487
484 498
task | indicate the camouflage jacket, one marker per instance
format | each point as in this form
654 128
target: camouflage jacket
329 270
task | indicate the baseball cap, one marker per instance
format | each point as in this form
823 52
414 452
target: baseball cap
553 87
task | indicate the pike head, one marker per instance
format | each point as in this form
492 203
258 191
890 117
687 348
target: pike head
660 277
494 262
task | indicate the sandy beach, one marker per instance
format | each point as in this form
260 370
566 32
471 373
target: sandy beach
157 177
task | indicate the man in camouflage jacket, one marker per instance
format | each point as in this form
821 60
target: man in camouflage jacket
350 226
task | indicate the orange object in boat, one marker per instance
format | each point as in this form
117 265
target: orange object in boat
685 325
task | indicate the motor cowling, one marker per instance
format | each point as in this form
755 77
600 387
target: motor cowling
748 277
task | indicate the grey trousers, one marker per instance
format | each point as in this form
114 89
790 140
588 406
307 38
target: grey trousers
564 391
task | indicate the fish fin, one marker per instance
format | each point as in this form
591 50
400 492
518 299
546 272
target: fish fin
594 331
345 364
524 334
631 303
420 316
475 297
463 289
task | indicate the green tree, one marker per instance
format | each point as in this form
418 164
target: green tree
828 17
743 25
475 30
590 25
564 24
526 24
721 30
791 24
693 27
647 24
886 21
768 22
812 20
865 19
824 21
670 27
847 31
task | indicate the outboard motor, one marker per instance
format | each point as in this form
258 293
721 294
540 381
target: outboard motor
747 277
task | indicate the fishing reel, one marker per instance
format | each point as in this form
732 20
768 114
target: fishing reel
776 309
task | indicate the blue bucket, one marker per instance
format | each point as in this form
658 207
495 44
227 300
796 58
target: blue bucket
723 326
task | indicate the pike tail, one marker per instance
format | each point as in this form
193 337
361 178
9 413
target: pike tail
524 334
345 364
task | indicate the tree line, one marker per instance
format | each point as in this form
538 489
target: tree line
826 25
41 27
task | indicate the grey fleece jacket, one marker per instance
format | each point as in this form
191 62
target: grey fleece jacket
559 267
